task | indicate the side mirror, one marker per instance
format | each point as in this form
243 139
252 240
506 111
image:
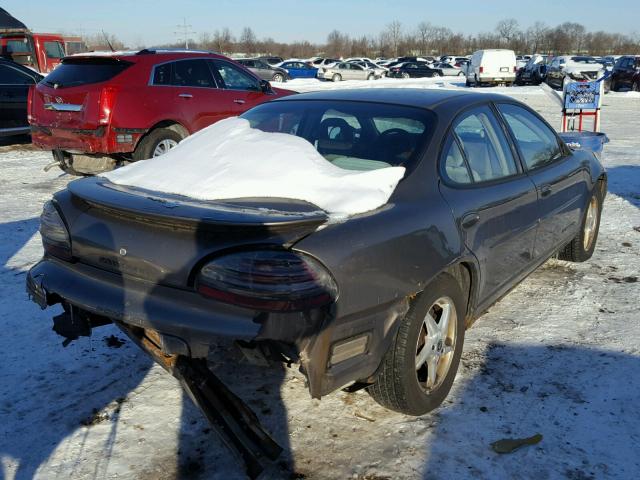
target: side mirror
265 87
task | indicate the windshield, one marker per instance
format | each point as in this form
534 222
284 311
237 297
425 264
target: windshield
351 135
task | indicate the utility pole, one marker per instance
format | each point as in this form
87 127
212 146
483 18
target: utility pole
184 30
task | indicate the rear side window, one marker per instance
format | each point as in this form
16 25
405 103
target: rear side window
537 143
454 163
192 73
54 49
485 146
11 76
162 74
76 72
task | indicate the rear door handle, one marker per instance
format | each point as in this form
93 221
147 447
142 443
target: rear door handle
545 190
185 95
470 219
239 101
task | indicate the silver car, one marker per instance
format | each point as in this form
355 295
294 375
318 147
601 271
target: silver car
449 70
346 71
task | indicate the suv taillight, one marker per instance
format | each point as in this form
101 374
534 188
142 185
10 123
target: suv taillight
30 95
481 70
268 280
105 107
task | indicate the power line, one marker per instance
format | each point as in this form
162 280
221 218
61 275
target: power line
184 30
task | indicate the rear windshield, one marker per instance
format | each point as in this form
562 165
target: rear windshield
77 72
351 135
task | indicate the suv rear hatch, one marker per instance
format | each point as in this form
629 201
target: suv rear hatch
163 238
75 95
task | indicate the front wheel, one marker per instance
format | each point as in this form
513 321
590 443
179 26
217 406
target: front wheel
405 75
581 248
436 74
156 143
336 77
371 77
460 74
418 370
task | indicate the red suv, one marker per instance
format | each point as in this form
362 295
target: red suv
98 111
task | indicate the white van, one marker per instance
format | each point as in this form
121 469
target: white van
492 66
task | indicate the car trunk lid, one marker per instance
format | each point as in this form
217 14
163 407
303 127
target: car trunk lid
163 238
76 94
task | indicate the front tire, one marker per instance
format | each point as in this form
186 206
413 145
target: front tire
405 75
581 248
156 143
277 78
418 370
336 77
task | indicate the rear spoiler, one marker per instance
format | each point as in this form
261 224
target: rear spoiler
274 213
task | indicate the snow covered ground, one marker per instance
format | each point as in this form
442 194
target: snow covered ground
560 356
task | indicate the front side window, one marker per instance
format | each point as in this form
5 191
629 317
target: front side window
54 49
235 79
537 143
350 135
485 145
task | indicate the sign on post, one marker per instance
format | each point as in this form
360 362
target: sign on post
582 99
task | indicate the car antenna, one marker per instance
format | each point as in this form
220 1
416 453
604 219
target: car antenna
108 42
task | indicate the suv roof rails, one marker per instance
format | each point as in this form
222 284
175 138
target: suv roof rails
153 51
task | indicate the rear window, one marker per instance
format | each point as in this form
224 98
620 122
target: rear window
350 135
77 72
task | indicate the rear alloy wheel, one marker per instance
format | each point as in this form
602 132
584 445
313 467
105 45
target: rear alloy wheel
277 78
336 77
418 370
436 74
371 77
582 246
157 143
405 75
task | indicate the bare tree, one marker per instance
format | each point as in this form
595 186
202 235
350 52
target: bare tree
507 29
248 40
394 32
223 40
425 34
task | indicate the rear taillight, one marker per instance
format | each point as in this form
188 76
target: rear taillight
268 280
515 69
32 89
481 70
54 233
105 107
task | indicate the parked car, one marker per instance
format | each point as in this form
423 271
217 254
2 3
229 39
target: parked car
448 69
40 51
15 81
264 70
565 68
414 70
272 60
382 298
626 73
534 72
346 71
378 70
521 60
492 66
299 69
325 62
400 60
97 111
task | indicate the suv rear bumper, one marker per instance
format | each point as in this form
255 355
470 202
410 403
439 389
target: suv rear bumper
102 140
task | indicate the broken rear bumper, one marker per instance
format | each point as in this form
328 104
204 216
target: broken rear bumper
171 311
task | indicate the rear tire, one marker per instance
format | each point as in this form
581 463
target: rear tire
336 77
371 77
581 248
156 143
277 78
398 384
405 75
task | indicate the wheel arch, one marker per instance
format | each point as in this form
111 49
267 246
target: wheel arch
170 124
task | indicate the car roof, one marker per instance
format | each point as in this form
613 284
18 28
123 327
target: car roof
410 97
147 53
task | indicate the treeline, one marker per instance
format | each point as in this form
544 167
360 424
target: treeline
426 39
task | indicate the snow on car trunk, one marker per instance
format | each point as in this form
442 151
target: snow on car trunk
232 160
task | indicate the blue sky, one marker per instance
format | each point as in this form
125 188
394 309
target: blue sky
145 22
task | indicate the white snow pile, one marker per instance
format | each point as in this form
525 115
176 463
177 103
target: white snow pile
230 159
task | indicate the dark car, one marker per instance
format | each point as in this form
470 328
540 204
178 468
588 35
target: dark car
15 81
489 193
534 72
626 74
564 69
414 70
264 70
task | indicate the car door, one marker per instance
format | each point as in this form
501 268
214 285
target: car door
14 88
627 71
560 177
241 89
494 202
356 72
